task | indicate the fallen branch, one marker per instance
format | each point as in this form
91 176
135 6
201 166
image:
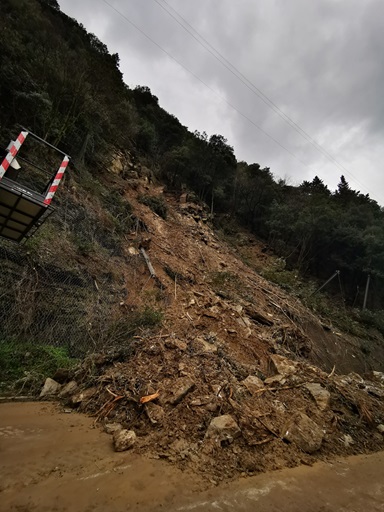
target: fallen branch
149 398
148 262
268 428
278 389
108 406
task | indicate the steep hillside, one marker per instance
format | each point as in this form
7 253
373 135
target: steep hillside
61 82
240 377
214 367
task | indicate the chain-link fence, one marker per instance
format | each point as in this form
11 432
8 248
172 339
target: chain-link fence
41 303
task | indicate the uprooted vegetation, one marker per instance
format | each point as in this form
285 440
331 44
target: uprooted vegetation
192 403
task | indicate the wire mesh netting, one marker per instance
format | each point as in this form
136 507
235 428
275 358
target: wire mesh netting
41 303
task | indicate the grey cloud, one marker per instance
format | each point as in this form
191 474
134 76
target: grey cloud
320 61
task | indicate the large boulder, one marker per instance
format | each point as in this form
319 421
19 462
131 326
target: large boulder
304 432
253 384
283 366
181 387
83 396
123 440
223 429
50 388
155 413
68 389
321 396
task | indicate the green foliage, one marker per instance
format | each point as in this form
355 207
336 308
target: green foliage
156 204
373 319
18 360
84 245
287 279
124 328
50 70
121 211
226 284
148 317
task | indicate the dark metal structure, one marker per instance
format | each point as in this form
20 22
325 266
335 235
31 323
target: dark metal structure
23 210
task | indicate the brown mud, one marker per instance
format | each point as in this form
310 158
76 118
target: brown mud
56 461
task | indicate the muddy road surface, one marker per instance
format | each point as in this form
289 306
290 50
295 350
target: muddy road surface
56 461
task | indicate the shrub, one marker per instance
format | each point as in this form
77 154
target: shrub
33 361
156 204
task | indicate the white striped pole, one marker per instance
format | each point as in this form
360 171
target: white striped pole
12 152
56 181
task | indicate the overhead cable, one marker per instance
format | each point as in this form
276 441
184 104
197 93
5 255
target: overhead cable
202 41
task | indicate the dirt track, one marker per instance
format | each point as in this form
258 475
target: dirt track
53 461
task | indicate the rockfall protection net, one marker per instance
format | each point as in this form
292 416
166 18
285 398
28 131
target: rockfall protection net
41 303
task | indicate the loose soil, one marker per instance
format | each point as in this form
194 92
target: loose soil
56 461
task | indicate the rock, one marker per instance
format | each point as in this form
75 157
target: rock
378 376
179 446
133 251
348 440
61 375
211 313
253 384
81 396
124 440
203 400
204 346
155 413
380 428
68 389
181 388
276 379
321 396
282 365
257 316
279 406
352 378
50 388
176 343
304 432
375 391
111 428
243 321
223 429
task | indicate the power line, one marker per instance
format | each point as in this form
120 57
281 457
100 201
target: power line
204 83
251 86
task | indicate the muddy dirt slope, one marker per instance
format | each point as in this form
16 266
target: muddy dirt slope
241 377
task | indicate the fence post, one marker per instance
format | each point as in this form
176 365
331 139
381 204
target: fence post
12 152
55 183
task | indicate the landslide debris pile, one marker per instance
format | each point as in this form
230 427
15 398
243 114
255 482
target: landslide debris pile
226 387
190 402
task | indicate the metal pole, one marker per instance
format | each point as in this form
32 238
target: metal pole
326 282
366 291
45 142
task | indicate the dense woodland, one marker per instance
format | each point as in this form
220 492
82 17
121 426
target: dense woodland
62 83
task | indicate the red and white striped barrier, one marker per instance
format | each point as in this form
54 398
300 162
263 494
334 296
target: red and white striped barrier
12 152
56 181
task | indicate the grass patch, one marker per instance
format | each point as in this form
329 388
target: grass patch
121 331
226 284
156 204
30 363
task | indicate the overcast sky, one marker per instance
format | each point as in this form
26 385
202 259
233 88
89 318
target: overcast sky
320 61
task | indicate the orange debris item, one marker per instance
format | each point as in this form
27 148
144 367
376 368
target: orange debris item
149 398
